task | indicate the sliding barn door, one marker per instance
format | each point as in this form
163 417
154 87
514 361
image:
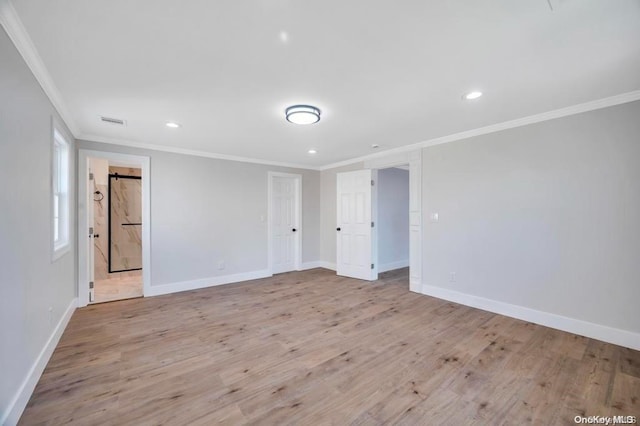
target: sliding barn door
354 225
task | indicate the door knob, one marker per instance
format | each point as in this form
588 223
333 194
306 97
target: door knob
294 230
337 229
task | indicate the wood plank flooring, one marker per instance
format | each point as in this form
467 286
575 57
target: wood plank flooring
311 348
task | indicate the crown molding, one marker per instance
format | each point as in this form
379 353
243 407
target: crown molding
193 152
519 122
16 31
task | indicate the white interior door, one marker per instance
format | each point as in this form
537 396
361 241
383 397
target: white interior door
354 248
90 219
284 224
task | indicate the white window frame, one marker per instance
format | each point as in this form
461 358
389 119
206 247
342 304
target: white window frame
60 195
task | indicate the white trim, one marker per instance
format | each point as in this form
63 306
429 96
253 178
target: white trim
298 214
18 34
131 160
393 265
193 152
588 329
519 122
327 265
21 398
158 290
375 257
415 221
311 265
60 252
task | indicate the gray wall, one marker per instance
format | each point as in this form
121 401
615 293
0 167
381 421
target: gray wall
204 210
328 215
545 216
30 283
393 216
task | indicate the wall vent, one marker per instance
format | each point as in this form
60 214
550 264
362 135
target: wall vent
111 120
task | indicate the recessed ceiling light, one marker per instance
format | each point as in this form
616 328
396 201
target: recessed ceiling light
302 114
312 151
172 125
472 95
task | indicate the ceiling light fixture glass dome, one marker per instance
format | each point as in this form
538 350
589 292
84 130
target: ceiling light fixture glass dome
302 114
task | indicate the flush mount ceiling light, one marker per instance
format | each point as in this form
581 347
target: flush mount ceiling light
302 114
172 125
312 151
472 95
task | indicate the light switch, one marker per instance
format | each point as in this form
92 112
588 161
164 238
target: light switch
433 217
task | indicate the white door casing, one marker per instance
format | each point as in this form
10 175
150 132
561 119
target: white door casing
91 231
415 221
285 217
353 225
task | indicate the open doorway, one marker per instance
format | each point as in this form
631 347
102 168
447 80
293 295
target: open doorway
117 227
357 215
373 226
392 221
113 206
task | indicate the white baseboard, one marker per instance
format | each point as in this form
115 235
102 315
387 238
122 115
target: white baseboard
327 265
584 328
310 265
21 398
157 290
393 265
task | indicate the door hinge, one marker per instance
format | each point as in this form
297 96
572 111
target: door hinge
372 266
372 182
90 230
372 224
90 284
90 176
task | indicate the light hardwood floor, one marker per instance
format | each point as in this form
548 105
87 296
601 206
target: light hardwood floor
311 348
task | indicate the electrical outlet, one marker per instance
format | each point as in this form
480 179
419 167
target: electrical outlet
452 277
221 265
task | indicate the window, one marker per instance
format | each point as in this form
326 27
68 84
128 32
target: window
60 195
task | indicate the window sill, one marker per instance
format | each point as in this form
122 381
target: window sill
59 252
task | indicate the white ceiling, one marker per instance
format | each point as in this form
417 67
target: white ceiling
382 72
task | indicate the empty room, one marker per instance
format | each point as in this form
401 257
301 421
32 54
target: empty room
286 212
